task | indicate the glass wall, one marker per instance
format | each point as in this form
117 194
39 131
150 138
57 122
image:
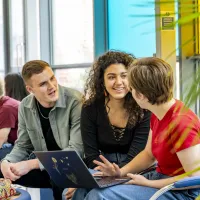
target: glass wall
73 43
17 34
72 77
72 31
59 32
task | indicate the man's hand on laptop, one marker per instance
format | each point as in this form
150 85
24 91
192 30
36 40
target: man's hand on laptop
106 168
70 193
7 172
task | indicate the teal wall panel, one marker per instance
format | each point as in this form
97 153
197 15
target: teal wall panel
131 26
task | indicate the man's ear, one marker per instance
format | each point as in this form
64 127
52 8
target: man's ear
29 89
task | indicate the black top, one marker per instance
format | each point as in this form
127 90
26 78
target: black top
98 135
46 127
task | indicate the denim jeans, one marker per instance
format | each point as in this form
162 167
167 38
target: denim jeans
6 149
134 192
117 158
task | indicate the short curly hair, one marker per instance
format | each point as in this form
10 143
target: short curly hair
94 87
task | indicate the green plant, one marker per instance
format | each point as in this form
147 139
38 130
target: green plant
191 14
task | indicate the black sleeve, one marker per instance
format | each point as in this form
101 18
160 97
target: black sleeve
89 135
141 133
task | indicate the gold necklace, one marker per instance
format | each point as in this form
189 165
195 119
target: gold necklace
41 112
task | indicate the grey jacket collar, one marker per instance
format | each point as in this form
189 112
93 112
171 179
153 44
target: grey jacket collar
29 102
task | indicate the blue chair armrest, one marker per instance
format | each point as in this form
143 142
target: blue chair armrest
187 182
24 195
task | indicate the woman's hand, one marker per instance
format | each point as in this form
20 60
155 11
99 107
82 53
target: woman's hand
137 179
106 168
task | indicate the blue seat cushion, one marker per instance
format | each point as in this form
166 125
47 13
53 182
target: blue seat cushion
24 195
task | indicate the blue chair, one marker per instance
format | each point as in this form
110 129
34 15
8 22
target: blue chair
46 193
24 195
186 182
40 193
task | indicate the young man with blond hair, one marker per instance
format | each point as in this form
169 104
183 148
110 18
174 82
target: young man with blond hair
49 119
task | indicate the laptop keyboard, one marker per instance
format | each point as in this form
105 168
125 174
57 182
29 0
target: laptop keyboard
109 181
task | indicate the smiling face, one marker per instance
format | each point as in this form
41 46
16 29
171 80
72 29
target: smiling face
44 86
115 81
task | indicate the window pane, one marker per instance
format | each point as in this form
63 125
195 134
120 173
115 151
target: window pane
17 34
72 77
72 31
1 39
32 30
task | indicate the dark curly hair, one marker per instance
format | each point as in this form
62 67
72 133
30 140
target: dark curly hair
94 87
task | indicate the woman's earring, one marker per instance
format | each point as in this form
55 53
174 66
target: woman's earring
105 93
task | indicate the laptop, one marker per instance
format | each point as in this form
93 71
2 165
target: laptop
67 170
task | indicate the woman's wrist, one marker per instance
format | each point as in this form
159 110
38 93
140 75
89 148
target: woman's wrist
122 172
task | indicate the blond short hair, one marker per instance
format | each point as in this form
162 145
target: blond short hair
152 77
33 67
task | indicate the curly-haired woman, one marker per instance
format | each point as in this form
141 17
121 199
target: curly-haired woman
174 141
112 124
